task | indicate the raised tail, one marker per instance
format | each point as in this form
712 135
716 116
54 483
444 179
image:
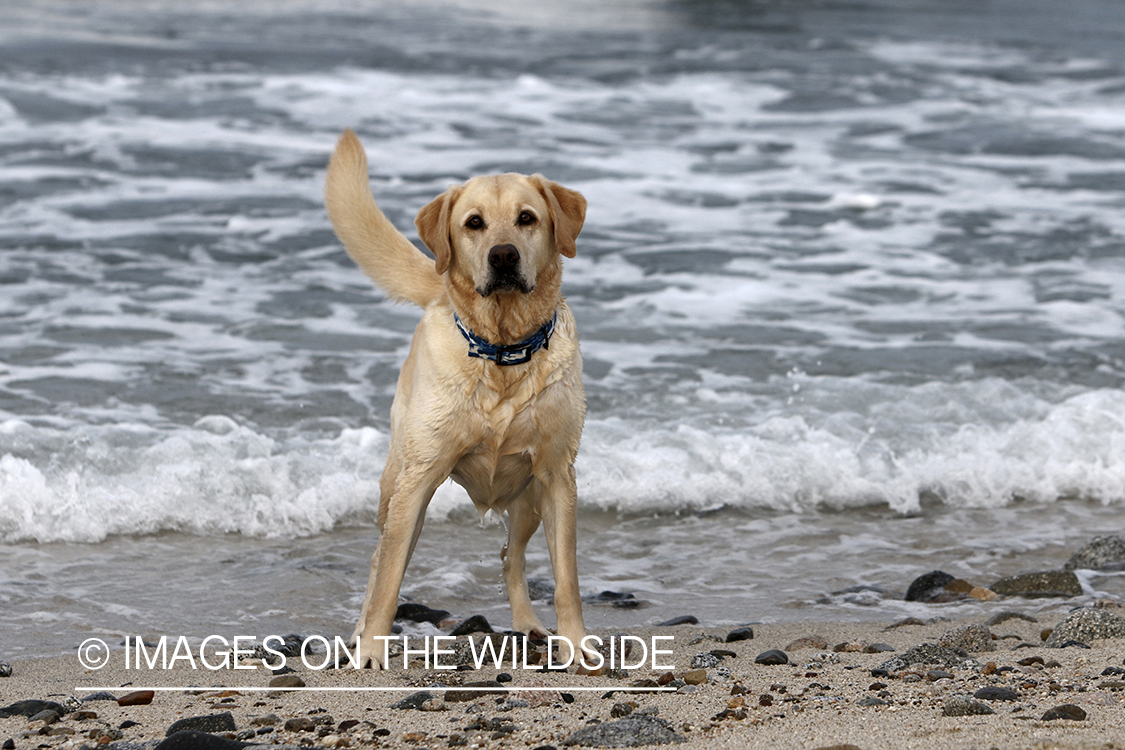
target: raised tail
395 265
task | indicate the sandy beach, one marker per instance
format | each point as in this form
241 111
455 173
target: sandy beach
826 696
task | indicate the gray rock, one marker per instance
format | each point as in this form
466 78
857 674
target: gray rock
745 633
223 722
1008 614
704 661
30 708
772 657
48 716
5 669
1106 553
871 700
1085 625
681 620
929 654
100 696
927 587
1035 585
996 693
475 624
414 701
628 732
194 740
1065 711
972 638
963 705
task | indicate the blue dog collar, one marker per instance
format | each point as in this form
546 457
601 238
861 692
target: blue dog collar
508 354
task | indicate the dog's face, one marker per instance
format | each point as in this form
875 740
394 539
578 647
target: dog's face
502 232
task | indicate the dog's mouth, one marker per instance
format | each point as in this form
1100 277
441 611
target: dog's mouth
508 282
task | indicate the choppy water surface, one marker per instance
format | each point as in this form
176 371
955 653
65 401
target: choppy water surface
851 293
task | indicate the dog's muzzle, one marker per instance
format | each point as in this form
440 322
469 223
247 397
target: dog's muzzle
504 271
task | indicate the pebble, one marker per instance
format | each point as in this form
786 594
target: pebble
972 638
1105 553
1034 585
1086 624
681 620
475 624
1065 711
616 599
30 708
695 677
100 696
464 696
904 622
771 657
1008 614
996 693
963 705
621 710
929 654
704 661
5 669
927 587
136 698
268 720
871 700
627 732
808 641
286 681
193 740
414 701
740 634
223 722
300 724
419 613
47 717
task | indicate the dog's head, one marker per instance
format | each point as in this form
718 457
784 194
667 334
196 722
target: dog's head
502 232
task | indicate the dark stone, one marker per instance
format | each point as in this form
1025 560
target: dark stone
420 613
347 724
223 722
413 701
740 634
192 740
128 723
771 657
930 655
567 697
1037 585
464 696
927 587
1065 711
963 705
1105 553
300 724
628 732
503 677
996 693
100 696
30 708
5 669
136 698
1006 615
871 700
47 717
1086 624
9 744
475 624
681 620
620 710
615 599
1072 644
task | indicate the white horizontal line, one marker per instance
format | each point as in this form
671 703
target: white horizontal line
131 688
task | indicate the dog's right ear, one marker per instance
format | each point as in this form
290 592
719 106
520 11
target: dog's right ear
433 227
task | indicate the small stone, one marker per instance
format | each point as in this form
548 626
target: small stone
414 736
1008 614
268 720
771 657
1065 711
928 654
963 705
47 717
871 700
627 732
195 740
808 641
1030 661
996 693
927 587
30 708
475 624
1034 585
696 677
958 586
1104 553
100 696
347 724
878 648
81 716
464 696
213 723
136 698
503 677
972 638
300 724
1087 624
414 701
938 674
904 622
850 647
745 633
419 613
286 681
980 593
5 669
704 661
681 620
621 710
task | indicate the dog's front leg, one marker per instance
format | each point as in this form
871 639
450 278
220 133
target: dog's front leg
400 532
559 510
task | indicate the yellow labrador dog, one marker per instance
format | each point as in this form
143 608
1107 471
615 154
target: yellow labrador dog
491 392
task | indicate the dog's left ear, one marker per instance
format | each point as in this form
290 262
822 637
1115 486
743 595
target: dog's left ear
433 227
568 213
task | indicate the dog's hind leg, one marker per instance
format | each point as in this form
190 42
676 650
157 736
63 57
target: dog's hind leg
523 517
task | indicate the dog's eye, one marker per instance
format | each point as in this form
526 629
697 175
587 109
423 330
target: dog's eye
474 222
526 218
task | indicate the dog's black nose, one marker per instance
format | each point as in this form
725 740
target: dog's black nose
504 257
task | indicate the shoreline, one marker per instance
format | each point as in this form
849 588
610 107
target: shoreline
827 695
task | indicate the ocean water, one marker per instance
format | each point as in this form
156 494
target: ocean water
851 293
